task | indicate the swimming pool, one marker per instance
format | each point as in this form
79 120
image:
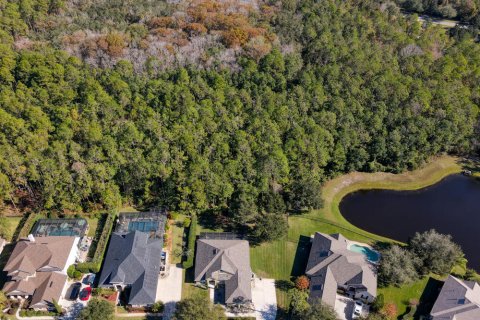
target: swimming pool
371 255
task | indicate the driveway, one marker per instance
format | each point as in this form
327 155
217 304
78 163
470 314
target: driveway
264 299
344 307
72 308
169 290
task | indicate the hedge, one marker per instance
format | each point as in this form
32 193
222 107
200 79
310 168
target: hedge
33 313
27 223
96 263
192 235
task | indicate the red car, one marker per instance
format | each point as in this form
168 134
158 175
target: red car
85 293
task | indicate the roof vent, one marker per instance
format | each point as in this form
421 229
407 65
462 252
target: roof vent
31 238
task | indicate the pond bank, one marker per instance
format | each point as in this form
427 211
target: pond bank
335 189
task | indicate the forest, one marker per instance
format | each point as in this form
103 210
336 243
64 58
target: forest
335 86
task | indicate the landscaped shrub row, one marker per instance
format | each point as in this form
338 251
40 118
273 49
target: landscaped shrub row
96 263
192 234
33 313
27 224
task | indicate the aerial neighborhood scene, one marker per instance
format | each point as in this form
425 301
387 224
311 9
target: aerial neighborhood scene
240 159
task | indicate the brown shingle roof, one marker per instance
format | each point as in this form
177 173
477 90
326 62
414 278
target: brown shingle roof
28 257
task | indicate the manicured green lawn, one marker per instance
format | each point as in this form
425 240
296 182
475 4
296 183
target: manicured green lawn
188 287
177 241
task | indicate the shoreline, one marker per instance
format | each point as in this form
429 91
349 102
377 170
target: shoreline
336 189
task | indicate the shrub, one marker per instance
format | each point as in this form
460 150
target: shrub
33 313
186 222
70 271
157 307
390 311
192 235
302 283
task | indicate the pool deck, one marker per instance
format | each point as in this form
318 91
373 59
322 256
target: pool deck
351 242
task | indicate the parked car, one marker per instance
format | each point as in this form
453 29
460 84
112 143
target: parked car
357 310
85 293
89 279
75 290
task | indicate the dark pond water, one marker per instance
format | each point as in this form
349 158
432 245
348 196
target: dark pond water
451 206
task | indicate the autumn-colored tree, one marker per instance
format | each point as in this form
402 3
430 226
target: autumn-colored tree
235 37
302 283
161 22
390 311
195 29
113 43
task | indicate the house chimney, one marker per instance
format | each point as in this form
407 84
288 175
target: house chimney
31 238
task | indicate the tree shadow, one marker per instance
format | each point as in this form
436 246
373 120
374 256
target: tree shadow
284 285
214 219
381 245
470 164
428 298
7 251
301 256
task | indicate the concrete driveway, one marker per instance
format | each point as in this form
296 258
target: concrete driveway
169 290
264 299
344 307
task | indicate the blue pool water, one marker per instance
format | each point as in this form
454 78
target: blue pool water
372 256
144 226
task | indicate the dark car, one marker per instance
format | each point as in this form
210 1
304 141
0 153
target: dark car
89 279
85 293
75 290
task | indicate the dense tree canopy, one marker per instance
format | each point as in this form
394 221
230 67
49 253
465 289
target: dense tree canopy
345 87
437 252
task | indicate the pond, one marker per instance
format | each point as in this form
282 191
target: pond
451 206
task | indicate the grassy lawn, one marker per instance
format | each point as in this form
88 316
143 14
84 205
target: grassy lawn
188 288
12 226
286 258
92 226
177 241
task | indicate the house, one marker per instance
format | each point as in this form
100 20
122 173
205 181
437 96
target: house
37 269
458 300
225 264
134 257
331 267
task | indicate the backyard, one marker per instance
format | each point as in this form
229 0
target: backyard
285 258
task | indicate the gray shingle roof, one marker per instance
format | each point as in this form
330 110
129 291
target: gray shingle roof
458 300
232 257
133 259
331 264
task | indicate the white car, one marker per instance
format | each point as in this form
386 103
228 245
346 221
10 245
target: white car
357 310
